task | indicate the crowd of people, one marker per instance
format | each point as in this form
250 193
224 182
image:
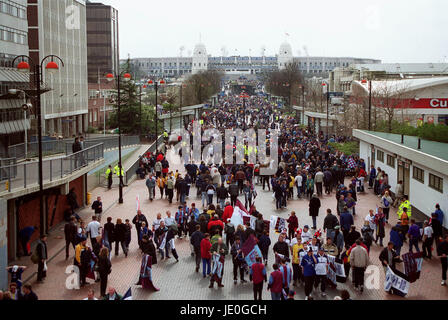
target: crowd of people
308 168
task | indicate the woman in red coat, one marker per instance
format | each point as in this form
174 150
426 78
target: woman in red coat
205 254
293 224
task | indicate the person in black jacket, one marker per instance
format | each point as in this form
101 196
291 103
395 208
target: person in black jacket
28 294
138 219
149 248
442 252
222 194
104 268
120 237
330 222
70 232
263 243
42 254
195 240
281 247
389 257
314 206
76 147
109 229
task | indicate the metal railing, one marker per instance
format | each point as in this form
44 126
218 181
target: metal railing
131 172
53 147
49 147
25 175
109 142
6 174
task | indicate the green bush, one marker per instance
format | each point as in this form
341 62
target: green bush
347 148
428 131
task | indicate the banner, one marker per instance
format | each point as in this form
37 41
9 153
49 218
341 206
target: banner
396 283
251 257
413 265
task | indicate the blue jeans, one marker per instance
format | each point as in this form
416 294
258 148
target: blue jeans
206 263
299 192
204 198
222 203
276 295
182 197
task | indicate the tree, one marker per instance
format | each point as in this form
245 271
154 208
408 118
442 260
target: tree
201 86
285 83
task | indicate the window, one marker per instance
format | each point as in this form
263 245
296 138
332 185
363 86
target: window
390 161
380 155
418 174
436 182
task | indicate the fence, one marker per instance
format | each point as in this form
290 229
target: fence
109 142
10 173
51 147
131 172
48 147
26 174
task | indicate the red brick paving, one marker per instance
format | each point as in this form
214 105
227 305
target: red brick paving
179 281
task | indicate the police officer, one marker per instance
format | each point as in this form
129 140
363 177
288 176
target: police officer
109 175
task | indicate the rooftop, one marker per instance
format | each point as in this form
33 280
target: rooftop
433 148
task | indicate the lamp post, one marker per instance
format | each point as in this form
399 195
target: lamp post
364 81
50 67
156 88
25 107
126 77
328 103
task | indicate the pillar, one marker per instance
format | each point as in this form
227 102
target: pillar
3 244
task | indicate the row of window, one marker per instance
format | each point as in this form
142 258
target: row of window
13 8
13 35
165 64
434 182
418 174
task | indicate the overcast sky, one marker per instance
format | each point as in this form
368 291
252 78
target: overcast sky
390 30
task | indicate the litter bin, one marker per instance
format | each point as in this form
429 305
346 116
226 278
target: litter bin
89 198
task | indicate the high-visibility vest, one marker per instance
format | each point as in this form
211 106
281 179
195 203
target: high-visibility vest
117 170
108 172
404 204
165 134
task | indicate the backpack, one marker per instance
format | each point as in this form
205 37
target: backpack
35 257
230 229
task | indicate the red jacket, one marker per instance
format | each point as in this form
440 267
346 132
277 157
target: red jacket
228 212
205 249
277 282
257 273
213 223
293 222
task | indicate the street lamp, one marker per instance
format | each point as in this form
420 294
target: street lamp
51 67
328 102
25 107
364 81
126 77
156 88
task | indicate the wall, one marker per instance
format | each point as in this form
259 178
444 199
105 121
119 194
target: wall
421 195
427 203
28 210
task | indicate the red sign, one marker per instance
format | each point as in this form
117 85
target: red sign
424 103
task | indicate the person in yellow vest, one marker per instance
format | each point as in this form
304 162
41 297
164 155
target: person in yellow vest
109 175
117 170
404 204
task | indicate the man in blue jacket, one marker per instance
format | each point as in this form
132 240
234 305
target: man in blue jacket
346 221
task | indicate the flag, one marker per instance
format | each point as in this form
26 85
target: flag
127 295
239 212
413 265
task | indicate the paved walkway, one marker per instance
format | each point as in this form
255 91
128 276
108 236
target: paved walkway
179 280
